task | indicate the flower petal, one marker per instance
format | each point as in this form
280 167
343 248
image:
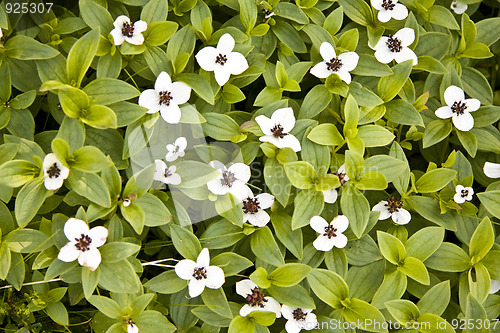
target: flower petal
170 157
259 219
340 223
241 171
222 75
327 51
160 170
174 179
495 286
185 269
120 20
285 118
217 165
339 241
384 15
215 186
245 287
68 252
491 170
321 70
472 104
310 321
458 198
330 195
382 208
236 63
453 94
406 54
289 141
459 188
349 60
318 224
240 190
150 99
266 200
444 112
196 287
377 4
136 39
98 235
53 184
215 277
399 12
225 44
74 228
206 58
132 328
344 75
384 55
273 306
265 124
203 259
463 122
292 326
402 216
90 258
458 7
287 311
171 114
163 82
118 37
247 309
406 36
180 92
323 243
140 26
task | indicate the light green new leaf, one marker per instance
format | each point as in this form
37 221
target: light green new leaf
289 274
80 57
482 240
328 286
185 242
391 247
301 174
435 180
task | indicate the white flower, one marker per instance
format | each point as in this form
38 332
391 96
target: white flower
166 98
495 286
492 170
277 129
340 65
330 234
396 47
176 149
1 33
83 243
221 60
126 31
132 327
458 6
231 180
389 9
166 174
200 274
267 13
253 209
298 319
330 196
255 299
392 208
458 108
463 193
54 172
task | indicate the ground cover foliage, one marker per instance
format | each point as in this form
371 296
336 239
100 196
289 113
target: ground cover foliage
249 166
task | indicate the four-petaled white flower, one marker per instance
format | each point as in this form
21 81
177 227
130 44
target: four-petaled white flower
221 60
277 129
330 196
330 233
255 299
393 207
458 7
231 180
54 172
166 174
126 31
176 149
253 209
495 286
396 47
132 327
491 170
298 319
458 108
463 193
340 65
389 9
200 274
83 243
166 98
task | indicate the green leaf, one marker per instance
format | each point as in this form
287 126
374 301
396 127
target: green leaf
358 11
153 321
229 207
391 248
89 159
216 301
27 240
248 13
403 310
363 95
277 181
359 311
389 166
29 200
301 174
26 48
436 299
326 134
433 323
368 65
491 201
486 30
435 180
431 65
429 209
220 126
241 325
476 85
389 86
423 243
155 10
357 209
371 180
116 251
289 274
449 258
265 248
259 277
5 260
73 132
402 112
17 173
375 136
231 263
156 213
80 57
195 174
351 113
264 318
442 16
316 100
134 215
482 240
105 91
159 33
89 185
328 286
393 287
288 35
106 305
296 296
90 279
307 204
290 11
292 239
99 116
185 242
73 101
415 269
166 283
96 16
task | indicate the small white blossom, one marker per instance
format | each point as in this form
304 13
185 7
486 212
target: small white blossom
132 327
495 286
253 209
277 129
255 299
330 196
267 13
166 98
492 170
396 47
330 233
298 319
176 149
83 243
463 193
221 60
340 65
166 174
1 33
200 274
458 108
458 7
389 9
392 208
54 172
231 180
126 31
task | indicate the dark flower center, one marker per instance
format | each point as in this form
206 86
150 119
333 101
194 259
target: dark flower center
256 298
53 171
298 314
165 97
128 29
200 273
388 5
334 65
464 193
221 59
176 150
394 204
394 44
83 243
267 13
277 131
458 107
167 173
251 205
228 178
341 176
330 232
